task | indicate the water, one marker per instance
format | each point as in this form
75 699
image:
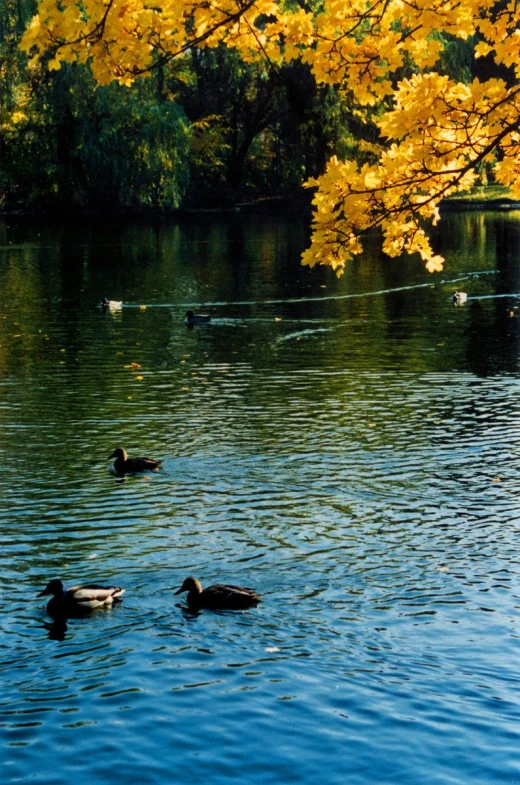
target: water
350 448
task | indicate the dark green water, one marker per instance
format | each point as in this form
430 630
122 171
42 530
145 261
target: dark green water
350 448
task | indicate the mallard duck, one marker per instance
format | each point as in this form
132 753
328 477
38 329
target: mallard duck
111 304
459 297
125 465
78 599
218 596
197 318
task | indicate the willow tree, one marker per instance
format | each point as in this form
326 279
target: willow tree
382 56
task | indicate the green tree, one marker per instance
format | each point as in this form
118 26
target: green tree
66 142
129 148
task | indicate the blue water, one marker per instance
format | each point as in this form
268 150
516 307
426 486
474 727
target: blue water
349 448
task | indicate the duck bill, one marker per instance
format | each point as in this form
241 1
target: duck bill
43 593
180 591
111 456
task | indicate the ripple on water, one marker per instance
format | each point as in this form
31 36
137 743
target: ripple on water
355 462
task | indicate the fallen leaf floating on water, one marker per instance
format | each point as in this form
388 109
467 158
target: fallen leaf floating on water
142 307
497 479
278 318
139 378
133 366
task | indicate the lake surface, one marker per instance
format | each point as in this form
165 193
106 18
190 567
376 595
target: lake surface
349 447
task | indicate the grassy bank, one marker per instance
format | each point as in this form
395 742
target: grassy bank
483 197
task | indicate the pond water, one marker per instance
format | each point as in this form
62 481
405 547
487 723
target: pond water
349 447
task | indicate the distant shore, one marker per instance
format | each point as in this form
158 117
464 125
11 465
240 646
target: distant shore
489 197
285 205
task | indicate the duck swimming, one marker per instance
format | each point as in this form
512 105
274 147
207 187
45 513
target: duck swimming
459 297
219 596
125 465
197 318
78 599
111 304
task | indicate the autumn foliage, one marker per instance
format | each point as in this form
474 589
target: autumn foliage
382 57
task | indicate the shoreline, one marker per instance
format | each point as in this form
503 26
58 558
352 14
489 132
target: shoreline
271 206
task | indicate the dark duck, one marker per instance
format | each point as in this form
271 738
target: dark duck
197 318
125 465
220 596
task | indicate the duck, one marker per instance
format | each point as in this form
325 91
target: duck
111 304
197 318
78 599
125 465
219 596
459 297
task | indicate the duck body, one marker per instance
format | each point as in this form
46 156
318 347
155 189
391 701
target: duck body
125 465
197 318
459 297
78 600
111 304
219 596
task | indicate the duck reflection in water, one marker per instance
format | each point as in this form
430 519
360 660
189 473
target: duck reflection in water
57 629
511 323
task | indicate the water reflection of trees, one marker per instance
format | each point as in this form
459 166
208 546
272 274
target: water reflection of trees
73 356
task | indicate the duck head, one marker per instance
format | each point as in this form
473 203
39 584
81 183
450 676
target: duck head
54 587
118 453
190 584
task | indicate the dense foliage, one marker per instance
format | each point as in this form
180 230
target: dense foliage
65 141
205 130
384 107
